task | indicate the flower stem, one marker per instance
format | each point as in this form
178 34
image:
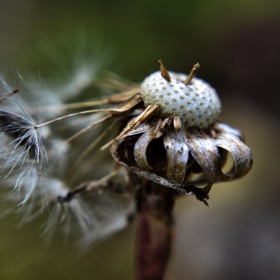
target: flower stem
155 231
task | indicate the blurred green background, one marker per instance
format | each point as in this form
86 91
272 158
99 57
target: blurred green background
238 46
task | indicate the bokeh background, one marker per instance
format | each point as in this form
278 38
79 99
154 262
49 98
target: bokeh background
238 46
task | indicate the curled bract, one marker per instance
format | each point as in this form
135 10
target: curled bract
172 158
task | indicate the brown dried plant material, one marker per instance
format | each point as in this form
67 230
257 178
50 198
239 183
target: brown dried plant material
164 73
192 74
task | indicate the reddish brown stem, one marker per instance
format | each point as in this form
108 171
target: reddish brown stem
155 232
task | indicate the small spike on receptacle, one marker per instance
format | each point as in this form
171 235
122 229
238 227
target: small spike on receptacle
164 73
192 74
177 123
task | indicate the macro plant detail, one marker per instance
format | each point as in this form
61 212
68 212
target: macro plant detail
176 135
164 138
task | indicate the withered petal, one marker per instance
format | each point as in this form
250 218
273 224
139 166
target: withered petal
141 145
175 144
200 194
142 128
241 154
205 152
141 119
226 129
143 173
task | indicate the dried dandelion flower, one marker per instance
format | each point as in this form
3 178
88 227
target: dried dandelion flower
176 135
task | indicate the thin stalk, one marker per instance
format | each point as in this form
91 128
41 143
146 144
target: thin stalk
92 146
121 110
79 133
115 98
73 115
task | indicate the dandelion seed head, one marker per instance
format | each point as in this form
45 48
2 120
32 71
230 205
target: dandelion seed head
177 135
186 101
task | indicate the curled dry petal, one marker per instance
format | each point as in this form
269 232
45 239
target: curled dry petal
206 154
142 128
241 154
226 129
117 155
177 155
140 148
147 113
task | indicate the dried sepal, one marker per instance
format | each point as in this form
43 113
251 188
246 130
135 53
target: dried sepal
140 148
169 157
147 113
241 154
206 154
177 153
118 151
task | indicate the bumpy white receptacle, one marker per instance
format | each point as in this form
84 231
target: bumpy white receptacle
197 104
